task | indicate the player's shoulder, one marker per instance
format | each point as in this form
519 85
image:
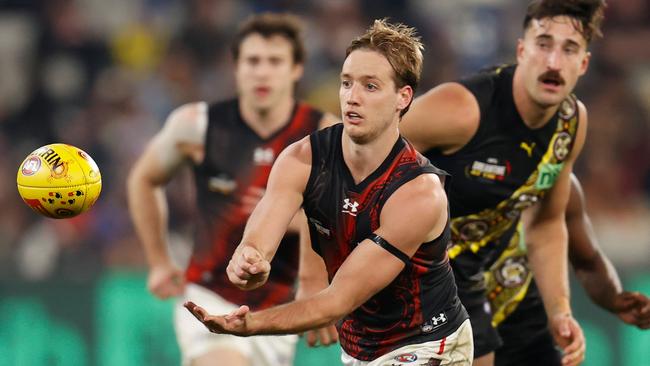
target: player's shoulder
187 123
300 150
424 195
424 190
187 114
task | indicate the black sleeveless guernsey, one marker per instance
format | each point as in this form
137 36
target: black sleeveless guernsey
505 168
421 304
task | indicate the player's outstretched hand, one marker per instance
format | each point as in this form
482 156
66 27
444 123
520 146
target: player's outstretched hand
166 280
235 323
569 337
248 269
633 308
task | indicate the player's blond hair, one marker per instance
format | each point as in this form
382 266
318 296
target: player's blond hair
401 46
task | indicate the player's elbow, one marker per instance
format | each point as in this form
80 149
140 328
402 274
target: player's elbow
335 306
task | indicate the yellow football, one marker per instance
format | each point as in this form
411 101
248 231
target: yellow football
59 181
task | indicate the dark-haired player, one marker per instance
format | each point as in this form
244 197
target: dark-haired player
231 146
509 137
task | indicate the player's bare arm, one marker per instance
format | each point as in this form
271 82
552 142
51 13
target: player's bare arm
312 278
299 220
548 252
595 271
446 117
250 265
408 219
180 140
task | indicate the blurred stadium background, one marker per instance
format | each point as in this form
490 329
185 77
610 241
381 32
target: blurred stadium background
103 75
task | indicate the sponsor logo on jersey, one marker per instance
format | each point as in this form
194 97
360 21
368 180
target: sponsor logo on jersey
490 169
435 323
222 184
406 357
263 156
350 207
547 175
528 148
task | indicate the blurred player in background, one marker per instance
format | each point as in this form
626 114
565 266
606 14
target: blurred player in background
378 217
231 146
517 307
509 137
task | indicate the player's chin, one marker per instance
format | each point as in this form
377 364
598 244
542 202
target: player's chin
550 99
357 134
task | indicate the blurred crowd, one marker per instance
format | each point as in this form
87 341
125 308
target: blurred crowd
103 75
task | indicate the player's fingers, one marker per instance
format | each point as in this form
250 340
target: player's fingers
251 255
193 309
311 338
324 337
645 309
236 274
334 334
574 356
240 312
234 279
260 267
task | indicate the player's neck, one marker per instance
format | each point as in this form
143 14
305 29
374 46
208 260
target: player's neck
265 122
533 114
363 159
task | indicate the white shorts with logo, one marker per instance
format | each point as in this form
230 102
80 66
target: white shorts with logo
456 349
195 340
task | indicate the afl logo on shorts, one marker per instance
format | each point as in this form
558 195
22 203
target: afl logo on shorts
406 357
513 272
31 166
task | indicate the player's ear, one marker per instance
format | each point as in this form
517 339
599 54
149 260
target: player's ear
520 49
584 65
404 95
297 72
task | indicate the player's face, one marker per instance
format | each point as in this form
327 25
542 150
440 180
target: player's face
370 102
265 71
552 55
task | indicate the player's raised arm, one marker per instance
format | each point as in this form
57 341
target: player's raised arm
250 264
180 141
